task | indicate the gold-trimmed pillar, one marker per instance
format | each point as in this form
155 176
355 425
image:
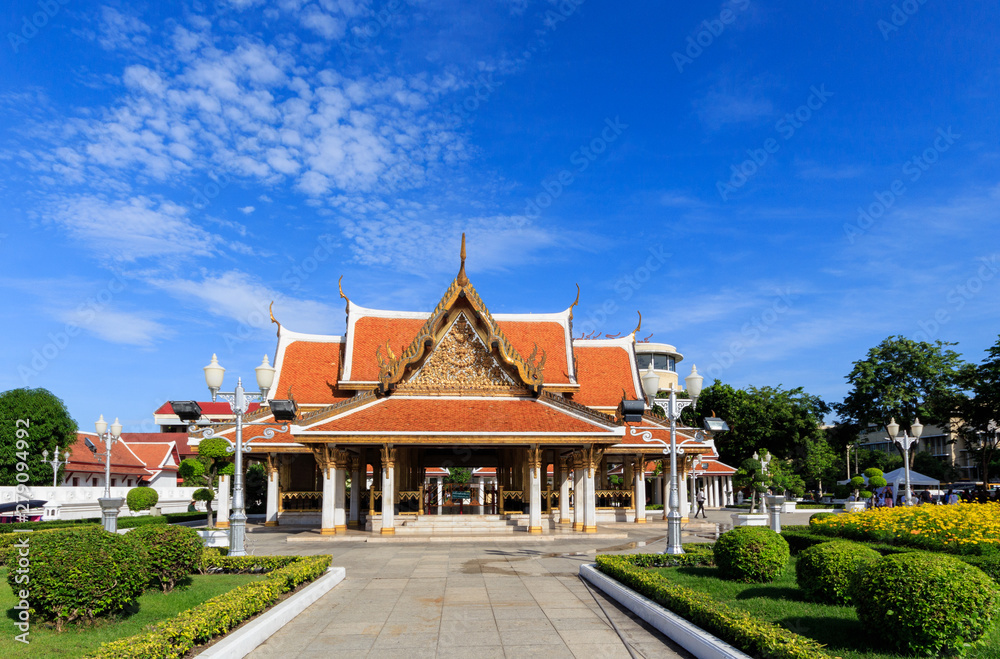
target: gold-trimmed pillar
388 490
592 463
356 486
328 479
273 490
579 490
341 460
534 463
639 488
564 466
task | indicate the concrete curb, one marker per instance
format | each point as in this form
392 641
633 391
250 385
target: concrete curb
690 637
244 640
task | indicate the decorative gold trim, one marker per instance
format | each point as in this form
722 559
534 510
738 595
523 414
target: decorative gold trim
637 327
578 526
565 520
388 531
328 531
640 520
270 523
462 278
222 525
341 528
388 454
270 310
534 530
575 302
347 300
590 529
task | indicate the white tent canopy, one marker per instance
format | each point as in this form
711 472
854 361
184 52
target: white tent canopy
897 479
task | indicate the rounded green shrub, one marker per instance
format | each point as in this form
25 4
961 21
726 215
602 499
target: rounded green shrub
141 498
173 552
926 604
77 574
751 554
825 571
818 516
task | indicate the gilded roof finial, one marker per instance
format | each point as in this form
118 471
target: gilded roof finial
270 310
639 326
347 307
463 280
575 302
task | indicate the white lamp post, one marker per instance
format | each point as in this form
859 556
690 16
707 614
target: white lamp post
905 442
55 463
650 387
764 462
109 506
239 404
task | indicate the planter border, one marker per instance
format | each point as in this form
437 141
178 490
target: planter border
247 638
692 638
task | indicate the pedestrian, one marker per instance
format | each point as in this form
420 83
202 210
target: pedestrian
888 497
701 504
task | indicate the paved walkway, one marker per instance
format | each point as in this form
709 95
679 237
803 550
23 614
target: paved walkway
482 600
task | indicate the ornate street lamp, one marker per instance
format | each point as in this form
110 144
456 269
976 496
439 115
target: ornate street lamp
239 403
55 463
905 442
650 387
109 506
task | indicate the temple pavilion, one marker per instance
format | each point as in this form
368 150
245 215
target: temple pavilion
404 396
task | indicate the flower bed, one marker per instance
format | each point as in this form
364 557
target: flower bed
962 528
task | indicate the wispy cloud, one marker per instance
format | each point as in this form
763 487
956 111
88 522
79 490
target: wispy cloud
130 328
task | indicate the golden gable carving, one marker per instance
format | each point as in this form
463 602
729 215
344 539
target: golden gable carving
460 361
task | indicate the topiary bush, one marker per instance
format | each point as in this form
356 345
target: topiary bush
173 552
926 604
78 574
751 554
141 498
825 571
819 516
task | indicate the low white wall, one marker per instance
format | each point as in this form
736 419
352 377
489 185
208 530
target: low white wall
81 502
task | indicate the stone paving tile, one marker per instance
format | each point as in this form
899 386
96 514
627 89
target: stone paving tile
535 651
600 651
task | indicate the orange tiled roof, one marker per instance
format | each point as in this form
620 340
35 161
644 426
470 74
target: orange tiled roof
369 333
153 455
550 337
603 372
123 461
716 468
312 369
451 415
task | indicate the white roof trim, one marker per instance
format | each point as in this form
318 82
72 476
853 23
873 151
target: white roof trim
462 433
299 429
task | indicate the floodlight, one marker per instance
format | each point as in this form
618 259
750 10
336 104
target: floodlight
186 410
715 424
284 410
632 410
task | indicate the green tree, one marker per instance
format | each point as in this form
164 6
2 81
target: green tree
928 465
980 410
904 379
32 421
751 474
213 461
784 479
458 475
818 461
769 418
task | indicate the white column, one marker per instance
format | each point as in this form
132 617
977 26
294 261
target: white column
339 495
356 486
535 502
640 490
730 498
682 491
694 493
271 516
579 494
222 520
328 474
717 502
388 498
590 477
658 489
440 489
564 492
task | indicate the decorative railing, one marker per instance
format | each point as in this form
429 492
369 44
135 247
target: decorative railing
605 499
374 502
304 502
410 502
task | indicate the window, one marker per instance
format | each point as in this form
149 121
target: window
661 362
76 481
112 482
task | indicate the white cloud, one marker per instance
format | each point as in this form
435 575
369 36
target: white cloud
118 326
137 228
246 210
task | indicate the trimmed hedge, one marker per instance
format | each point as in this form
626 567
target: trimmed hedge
173 552
926 604
213 562
141 498
174 638
751 554
123 522
694 554
741 629
825 572
819 516
78 573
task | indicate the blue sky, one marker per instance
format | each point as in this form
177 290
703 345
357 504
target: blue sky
776 186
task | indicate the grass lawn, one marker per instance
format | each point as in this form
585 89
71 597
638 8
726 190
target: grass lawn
80 640
781 602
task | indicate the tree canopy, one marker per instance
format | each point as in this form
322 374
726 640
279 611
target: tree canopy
904 379
980 410
40 421
770 418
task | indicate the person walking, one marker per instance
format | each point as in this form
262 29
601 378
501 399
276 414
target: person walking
701 504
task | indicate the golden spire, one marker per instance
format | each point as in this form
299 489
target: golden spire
575 302
347 306
463 280
637 327
270 310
